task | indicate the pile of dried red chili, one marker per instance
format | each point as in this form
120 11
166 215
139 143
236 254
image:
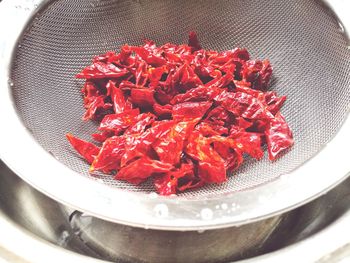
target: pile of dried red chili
179 114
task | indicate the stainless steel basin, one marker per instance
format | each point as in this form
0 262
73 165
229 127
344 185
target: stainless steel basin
70 234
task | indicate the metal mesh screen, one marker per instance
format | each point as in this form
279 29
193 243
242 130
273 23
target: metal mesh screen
301 38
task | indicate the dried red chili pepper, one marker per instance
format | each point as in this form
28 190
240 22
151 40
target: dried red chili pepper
86 149
96 107
170 144
180 114
190 110
140 123
278 136
101 137
210 164
141 169
119 122
102 70
109 157
142 97
244 105
193 41
117 96
163 111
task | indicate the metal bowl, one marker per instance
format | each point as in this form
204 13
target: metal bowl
69 229
40 96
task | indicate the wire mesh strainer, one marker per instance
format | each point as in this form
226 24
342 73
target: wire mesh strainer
303 39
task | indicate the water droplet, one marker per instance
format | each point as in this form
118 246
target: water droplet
19 46
207 214
153 195
235 206
92 4
224 206
161 210
11 83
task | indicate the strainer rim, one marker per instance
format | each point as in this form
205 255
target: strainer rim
45 173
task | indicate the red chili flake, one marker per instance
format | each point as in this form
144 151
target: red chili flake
179 114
